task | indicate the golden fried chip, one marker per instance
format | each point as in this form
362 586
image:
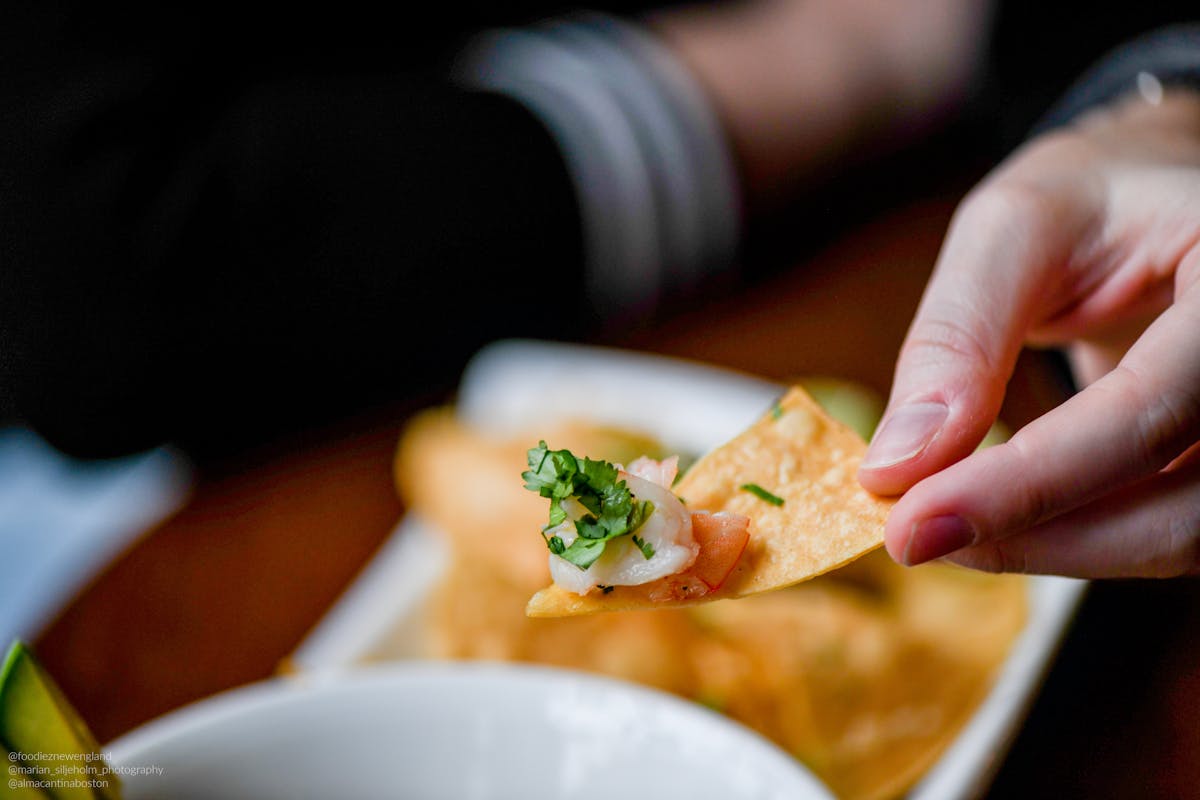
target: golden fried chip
867 705
865 674
468 484
793 473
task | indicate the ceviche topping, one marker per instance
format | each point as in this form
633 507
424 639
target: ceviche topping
592 497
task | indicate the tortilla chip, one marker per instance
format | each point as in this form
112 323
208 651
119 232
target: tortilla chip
467 484
841 683
803 457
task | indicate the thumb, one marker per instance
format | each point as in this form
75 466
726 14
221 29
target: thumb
963 343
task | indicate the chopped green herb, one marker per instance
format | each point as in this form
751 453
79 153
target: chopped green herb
762 494
584 552
612 509
776 410
646 548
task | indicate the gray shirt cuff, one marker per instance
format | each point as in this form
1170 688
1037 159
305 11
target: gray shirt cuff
653 173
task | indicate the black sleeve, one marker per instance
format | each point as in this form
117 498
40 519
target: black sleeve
1037 50
1171 55
207 241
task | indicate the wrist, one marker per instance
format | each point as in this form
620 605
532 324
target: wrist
1160 68
1170 114
800 84
1175 109
769 80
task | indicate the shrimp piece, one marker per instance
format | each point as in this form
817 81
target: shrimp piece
661 472
668 531
694 552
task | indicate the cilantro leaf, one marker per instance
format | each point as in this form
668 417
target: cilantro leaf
584 552
612 509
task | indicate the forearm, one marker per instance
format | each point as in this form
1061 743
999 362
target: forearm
801 84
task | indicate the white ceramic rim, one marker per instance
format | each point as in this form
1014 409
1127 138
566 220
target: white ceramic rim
223 710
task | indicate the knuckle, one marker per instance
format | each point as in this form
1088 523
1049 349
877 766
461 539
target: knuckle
1178 552
1165 418
1008 205
1031 500
994 557
941 341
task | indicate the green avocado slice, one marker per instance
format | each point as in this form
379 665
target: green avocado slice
52 743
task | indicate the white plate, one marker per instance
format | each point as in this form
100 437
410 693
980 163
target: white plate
453 731
514 386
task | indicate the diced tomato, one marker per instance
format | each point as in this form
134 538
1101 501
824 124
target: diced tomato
722 538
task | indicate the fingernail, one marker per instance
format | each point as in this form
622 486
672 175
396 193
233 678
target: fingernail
936 537
905 433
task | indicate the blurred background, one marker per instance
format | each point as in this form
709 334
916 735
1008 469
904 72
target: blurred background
240 247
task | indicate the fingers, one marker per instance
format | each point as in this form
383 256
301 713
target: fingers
1125 426
1150 530
991 277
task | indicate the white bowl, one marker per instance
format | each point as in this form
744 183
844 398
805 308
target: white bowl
456 731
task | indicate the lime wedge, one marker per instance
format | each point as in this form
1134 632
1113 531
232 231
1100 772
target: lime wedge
44 740
17 784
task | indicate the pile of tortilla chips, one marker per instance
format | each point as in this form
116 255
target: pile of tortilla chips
865 674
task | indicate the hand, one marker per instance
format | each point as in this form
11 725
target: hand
1087 237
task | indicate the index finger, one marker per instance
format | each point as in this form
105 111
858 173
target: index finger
1125 426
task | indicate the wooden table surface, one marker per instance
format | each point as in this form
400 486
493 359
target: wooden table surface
217 595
